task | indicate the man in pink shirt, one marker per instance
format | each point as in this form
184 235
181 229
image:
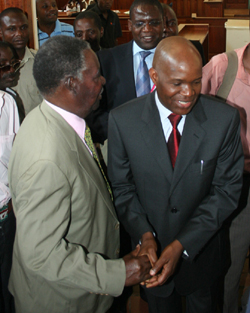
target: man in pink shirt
239 95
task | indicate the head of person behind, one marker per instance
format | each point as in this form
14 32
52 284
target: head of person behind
177 73
14 28
67 73
171 28
104 5
88 26
146 22
9 64
47 13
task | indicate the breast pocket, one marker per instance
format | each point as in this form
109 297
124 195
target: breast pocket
203 166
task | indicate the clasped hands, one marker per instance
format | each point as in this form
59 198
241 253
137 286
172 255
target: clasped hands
152 271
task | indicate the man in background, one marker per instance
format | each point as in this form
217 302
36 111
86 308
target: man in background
14 28
67 241
110 23
88 26
130 63
215 81
9 125
48 24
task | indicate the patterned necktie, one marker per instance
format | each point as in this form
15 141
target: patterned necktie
90 144
174 138
142 78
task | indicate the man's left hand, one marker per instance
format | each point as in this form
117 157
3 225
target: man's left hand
167 262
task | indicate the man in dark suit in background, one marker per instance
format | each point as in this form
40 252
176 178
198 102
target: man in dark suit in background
120 65
175 185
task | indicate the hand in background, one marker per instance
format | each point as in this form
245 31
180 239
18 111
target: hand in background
137 267
167 263
149 247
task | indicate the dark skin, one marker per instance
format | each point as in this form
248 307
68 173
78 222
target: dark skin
80 97
171 28
15 30
176 72
146 24
47 13
7 78
104 6
85 29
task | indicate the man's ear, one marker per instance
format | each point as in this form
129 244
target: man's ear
129 25
102 31
71 84
153 75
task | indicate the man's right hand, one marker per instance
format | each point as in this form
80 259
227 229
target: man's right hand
149 247
137 267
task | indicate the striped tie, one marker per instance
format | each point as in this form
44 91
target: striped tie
90 144
142 78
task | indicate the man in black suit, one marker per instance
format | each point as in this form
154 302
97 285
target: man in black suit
119 65
173 199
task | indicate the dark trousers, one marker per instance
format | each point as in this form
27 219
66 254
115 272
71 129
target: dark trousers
203 300
7 235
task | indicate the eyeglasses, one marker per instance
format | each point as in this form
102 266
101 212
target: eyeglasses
141 24
15 65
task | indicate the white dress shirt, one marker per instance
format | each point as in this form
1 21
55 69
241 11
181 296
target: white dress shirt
165 122
9 125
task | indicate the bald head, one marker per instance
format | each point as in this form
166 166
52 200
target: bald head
175 50
176 72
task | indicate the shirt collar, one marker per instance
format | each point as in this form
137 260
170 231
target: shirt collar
76 122
27 55
137 49
163 111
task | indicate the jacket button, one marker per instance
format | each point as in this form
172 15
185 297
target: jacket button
117 226
174 210
117 251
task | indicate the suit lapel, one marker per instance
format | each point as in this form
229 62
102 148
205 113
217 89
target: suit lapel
127 69
153 136
85 160
192 137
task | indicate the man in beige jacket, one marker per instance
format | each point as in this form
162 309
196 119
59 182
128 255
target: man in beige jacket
67 239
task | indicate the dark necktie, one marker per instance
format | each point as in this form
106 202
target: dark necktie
174 138
142 77
90 144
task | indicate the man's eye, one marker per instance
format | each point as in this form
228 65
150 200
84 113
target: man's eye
176 84
78 34
138 24
154 23
24 27
171 24
11 29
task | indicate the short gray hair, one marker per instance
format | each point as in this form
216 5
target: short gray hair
58 57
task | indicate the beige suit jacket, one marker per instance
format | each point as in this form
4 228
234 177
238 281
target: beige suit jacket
67 228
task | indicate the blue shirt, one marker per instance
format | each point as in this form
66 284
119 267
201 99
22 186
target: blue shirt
60 29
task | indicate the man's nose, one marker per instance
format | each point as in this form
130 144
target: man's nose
85 36
188 90
147 27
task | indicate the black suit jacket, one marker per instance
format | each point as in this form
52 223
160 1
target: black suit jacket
117 68
189 203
